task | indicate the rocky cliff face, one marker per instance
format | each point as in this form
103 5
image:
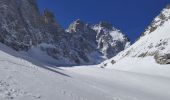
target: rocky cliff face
23 28
110 40
102 38
21 25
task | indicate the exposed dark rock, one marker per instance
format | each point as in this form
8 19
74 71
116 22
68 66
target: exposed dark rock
49 17
162 59
143 54
106 25
113 62
104 65
152 29
110 40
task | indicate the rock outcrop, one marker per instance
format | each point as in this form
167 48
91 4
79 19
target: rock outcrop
162 59
110 40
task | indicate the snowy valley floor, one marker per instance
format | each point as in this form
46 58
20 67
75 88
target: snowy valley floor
22 80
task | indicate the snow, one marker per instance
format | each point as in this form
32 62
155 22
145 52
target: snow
139 57
22 79
145 65
153 39
159 20
158 40
33 75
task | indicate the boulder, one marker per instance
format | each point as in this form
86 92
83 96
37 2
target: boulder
162 58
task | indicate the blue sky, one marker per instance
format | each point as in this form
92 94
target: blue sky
130 16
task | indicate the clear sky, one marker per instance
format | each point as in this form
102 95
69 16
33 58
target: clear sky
130 16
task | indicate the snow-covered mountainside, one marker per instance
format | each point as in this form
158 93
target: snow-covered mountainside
25 78
110 40
23 28
102 38
152 49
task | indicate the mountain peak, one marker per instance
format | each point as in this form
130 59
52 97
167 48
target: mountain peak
78 21
77 26
49 16
105 24
32 31
168 6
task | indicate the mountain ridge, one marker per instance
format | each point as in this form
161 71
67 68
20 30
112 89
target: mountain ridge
150 51
23 28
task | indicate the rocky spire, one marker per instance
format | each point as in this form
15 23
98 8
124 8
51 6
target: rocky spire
49 17
51 23
105 24
33 3
76 26
168 6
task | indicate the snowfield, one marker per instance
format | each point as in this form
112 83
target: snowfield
145 65
24 78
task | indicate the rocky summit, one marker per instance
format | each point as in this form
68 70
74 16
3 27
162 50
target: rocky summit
110 40
23 28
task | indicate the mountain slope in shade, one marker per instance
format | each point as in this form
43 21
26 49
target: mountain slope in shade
150 52
24 29
102 37
110 40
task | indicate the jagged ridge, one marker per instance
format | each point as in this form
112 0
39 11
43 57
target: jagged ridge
24 29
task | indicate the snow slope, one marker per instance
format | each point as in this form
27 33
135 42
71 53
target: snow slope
24 80
140 56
